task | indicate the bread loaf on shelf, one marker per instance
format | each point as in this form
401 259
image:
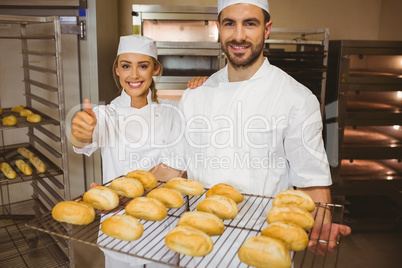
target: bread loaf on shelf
294 198
207 222
8 170
171 198
10 120
25 152
127 187
78 213
123 227
225 190
185 186
292 214
189 241
145 208
38 164
262 251
147 179
222 206
101 197
24 167
294 237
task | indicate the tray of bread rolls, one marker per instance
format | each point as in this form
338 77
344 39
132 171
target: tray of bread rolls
21 116
23 162
182 224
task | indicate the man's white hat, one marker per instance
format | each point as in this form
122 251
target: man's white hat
259 3
137 44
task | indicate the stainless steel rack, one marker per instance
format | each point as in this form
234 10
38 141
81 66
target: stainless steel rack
39 39
151 246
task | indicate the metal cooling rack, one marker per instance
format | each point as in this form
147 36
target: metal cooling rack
151 246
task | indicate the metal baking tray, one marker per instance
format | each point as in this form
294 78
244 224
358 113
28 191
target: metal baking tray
9 154
151 245
22 121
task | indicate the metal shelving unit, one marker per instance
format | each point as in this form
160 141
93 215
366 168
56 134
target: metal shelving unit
40 41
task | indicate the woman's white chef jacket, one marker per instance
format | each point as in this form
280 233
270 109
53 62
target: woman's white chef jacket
130 139
262 135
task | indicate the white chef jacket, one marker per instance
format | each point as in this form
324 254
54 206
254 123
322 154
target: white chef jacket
130 139
261 136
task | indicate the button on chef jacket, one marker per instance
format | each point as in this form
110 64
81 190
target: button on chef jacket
130 138
261 136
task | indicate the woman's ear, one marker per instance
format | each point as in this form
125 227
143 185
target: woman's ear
117 70
157 68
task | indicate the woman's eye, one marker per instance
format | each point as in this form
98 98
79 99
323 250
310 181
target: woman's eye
125 66
143 66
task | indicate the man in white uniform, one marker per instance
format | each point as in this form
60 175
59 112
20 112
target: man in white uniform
251 125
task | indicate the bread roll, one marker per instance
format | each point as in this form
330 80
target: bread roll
262 251
294 237
145 208
169 197
203 221
225 190
101 197
34 118
122 227
1 111
25 152
147 179
127 187
292 214
18 108
38 164
222 206
295 198
8 170
184 186
79 213
25 113
189 241
24 167
10 120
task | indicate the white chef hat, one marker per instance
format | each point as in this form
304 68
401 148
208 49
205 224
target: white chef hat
137 44
259 3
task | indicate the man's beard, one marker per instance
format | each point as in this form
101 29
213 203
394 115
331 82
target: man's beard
236 59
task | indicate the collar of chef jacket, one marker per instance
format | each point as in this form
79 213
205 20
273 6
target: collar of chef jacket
124 100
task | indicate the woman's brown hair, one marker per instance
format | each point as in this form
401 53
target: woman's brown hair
152 87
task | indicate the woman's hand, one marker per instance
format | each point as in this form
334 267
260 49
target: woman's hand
83 126
196 82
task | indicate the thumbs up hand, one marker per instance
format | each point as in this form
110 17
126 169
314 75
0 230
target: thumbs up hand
83 125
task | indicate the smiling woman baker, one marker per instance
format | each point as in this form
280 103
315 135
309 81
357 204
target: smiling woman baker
132 130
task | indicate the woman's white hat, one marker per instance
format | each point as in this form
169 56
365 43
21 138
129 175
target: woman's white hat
259 3
137 44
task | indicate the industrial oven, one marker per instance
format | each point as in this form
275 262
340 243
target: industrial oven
363 119
187 41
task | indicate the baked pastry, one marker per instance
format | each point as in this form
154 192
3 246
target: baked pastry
222 206
79 213
1 111
294 237
127 187
203 221
225 190
186 187
38 164
101 197
262 251
123 227
10 120
25 113
294 198
146 208
189 241
169 197
18 108
147 179
25 152
293 214
34 118
8 170
24 167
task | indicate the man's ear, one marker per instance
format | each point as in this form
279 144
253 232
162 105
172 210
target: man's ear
268 27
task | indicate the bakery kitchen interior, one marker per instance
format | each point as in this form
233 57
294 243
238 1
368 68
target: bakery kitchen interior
55 54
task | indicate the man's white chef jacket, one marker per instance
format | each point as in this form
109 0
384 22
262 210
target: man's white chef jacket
261 136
